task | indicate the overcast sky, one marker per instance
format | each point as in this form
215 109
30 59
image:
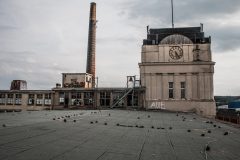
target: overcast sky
40 39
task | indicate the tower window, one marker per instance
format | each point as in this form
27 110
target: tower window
183 90
170 89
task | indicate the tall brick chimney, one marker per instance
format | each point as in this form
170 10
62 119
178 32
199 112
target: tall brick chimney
91 67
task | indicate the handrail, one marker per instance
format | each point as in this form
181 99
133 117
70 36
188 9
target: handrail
121 97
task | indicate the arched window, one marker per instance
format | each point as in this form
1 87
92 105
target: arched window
176 39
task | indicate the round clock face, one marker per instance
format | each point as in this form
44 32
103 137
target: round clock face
176 52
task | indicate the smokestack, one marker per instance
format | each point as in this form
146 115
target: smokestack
92 42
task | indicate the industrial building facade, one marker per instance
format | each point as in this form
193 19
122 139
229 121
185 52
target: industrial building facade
176 74
71 98
78 90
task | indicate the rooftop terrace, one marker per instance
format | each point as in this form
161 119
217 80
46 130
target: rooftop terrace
115 134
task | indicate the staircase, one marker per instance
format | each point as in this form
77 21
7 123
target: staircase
123 95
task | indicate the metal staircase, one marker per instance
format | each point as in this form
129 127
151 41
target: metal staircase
123 95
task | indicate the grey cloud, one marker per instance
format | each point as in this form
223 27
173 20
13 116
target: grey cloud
7 27
225 38
116 40
37 77
25 65
16 53
184 9
190 13
14 58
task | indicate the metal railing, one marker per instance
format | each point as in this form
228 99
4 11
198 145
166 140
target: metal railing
122 96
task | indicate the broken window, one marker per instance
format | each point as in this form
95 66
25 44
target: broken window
105 98
76 99
18 99
39 99
31 99
10 99
47 99
2 98
88 98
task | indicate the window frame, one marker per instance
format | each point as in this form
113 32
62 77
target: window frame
18 99
183 90
10 99
31 99
3 99
171 90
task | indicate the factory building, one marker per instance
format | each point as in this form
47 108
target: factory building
25 99
78 90
176 74
72 96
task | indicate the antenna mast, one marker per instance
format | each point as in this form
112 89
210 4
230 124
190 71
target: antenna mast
172 14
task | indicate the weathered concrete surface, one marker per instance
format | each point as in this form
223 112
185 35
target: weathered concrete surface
36 136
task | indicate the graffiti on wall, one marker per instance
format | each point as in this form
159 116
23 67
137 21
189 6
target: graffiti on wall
74 85
157 105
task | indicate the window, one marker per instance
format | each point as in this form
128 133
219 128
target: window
2 98
47 99
10 99
88 98
76 99
73 98
78 95
108 95
39 99
170 90
48 96
61 98
183 86
105 98
39 96
18 99
116 96
88 95
31 99
132 99
135 102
